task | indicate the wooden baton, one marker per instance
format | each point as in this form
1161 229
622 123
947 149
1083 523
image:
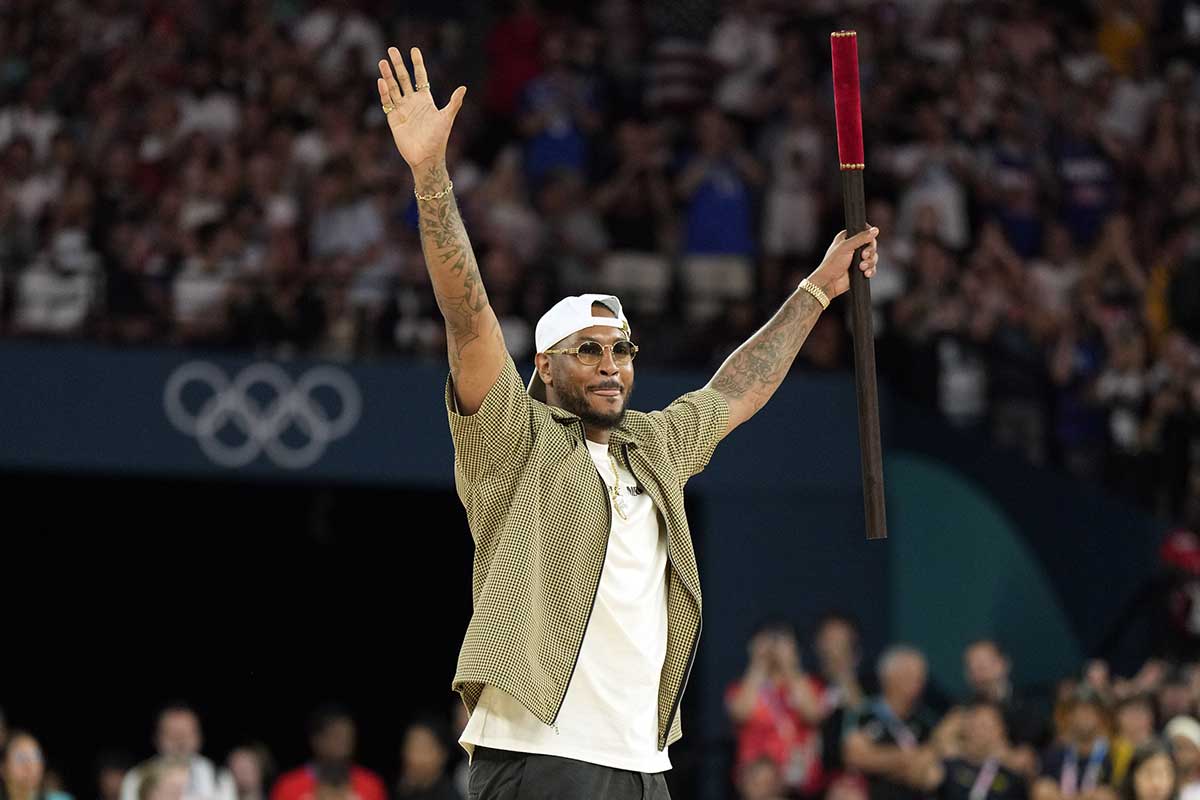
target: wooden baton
848 111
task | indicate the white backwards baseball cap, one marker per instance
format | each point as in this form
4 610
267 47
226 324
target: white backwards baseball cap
567 316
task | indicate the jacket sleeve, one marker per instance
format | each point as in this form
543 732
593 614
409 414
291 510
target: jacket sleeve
692 425
498 433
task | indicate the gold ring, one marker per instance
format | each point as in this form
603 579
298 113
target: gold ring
419 87
389 108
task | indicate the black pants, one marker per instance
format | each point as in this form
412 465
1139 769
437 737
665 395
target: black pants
505 775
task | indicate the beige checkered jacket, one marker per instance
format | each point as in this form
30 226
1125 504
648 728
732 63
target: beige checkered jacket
539 515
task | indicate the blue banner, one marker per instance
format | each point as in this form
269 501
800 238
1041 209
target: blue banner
83 407
156 412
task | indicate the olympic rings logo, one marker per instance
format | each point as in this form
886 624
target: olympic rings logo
265 410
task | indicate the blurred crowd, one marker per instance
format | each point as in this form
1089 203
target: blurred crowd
825 727
218 174
178 771
842 732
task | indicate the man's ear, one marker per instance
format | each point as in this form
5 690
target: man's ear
541 362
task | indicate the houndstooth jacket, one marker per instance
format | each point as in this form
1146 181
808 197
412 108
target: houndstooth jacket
540 517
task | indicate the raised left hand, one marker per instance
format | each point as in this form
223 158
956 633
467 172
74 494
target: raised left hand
833 276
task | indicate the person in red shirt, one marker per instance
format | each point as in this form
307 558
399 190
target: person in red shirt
332 737
776 709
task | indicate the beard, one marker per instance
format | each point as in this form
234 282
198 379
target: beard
574 398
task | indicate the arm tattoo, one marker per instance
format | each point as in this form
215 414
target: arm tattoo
452 267
754 371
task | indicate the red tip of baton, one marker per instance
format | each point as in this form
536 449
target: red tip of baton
847 102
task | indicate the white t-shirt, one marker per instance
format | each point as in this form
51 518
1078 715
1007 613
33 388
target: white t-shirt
610 714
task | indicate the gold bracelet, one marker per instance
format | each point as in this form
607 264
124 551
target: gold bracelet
816 292
435 195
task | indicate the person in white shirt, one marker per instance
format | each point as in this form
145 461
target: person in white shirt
178 738
606 731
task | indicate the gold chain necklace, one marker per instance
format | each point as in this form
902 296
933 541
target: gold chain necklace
616 489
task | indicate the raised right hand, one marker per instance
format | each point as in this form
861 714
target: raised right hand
418 127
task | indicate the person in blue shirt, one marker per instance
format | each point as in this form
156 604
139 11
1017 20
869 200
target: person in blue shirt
717 185
559 110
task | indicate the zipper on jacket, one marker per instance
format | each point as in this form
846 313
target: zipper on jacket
699 624
595 592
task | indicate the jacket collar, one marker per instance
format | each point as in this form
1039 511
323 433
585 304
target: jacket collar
622 434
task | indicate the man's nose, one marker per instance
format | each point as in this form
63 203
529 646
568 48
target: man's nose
608 364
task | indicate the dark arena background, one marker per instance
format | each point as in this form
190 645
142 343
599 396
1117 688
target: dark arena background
226 474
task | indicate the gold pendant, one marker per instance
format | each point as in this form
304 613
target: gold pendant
619 503
615 491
